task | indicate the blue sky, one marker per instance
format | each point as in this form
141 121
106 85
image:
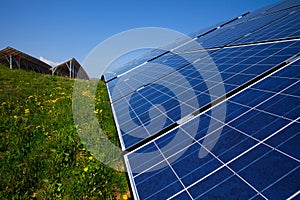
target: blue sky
58 30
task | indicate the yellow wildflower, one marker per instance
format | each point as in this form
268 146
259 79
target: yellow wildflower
91 158
124 197
98 111
15 116
54 100
86 169
26 110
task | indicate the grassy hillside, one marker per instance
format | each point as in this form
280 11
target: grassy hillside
41 155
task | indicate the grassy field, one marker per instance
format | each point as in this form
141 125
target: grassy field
41 155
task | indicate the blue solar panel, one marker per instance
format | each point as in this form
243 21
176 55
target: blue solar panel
109 75
282 5
242 65
256 153
277 25
147 74
286 27
183 140
230 33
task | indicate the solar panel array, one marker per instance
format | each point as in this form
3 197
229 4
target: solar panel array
252 151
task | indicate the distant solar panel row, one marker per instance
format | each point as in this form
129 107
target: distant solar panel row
235 121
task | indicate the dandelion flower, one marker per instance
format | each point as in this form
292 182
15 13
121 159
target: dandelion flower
86 169
91 158
97 111
54 100
26 110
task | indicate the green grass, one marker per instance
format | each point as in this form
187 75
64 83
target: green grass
41 155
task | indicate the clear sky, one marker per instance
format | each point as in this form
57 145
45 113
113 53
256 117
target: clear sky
60 29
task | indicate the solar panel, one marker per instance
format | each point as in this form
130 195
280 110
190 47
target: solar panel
110 75
236 66
251 156
286 27
228 34
273 8
190 129
277 25
282 5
